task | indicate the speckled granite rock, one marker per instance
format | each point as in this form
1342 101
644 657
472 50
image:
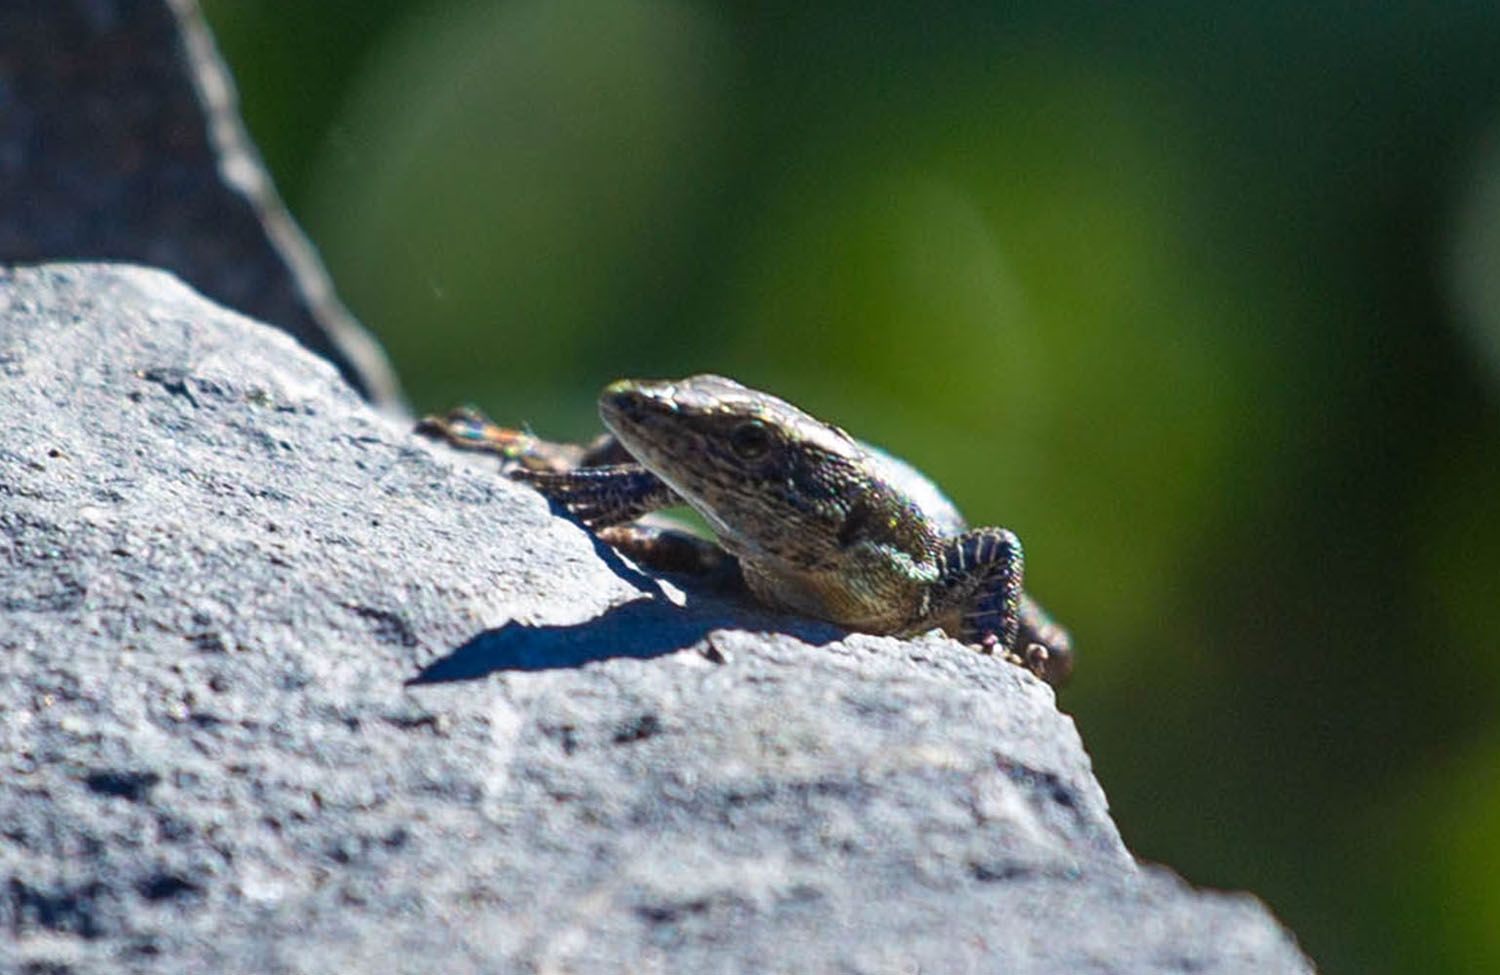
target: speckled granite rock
289 690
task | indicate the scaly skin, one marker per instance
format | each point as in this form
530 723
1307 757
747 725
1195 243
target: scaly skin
819 523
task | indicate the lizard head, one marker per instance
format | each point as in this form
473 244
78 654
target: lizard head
772 481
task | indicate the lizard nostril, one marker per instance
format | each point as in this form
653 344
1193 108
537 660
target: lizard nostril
623 399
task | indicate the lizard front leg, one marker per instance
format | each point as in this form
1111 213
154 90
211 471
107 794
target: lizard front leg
598 485
599 497
466 428
608 500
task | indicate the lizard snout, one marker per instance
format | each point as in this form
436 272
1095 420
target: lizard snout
635 411
623 400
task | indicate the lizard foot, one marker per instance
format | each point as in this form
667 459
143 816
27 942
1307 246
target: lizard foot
466 428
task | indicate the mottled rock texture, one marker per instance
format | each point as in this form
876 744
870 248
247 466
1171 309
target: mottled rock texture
288 690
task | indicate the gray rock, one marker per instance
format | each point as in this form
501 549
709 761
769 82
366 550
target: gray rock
120 140
290 690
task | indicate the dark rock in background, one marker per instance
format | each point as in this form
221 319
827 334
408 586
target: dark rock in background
120 140
287 689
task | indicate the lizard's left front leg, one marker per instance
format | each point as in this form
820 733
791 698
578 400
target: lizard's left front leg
608 500
602 496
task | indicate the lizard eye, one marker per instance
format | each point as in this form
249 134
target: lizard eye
750 439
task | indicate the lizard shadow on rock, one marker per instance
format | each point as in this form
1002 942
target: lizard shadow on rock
616 563
640 629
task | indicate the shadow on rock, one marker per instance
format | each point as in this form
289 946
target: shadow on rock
640 629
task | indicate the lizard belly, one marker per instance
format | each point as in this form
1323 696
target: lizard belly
870 601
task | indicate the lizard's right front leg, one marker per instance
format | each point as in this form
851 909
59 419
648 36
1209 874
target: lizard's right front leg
466 428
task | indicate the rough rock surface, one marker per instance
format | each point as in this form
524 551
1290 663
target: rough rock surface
287 689
120 140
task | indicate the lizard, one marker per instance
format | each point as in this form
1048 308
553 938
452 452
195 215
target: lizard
814 521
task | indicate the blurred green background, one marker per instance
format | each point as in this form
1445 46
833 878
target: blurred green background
1202 299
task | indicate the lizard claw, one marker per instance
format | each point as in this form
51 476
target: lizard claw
1036 659
1052 664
